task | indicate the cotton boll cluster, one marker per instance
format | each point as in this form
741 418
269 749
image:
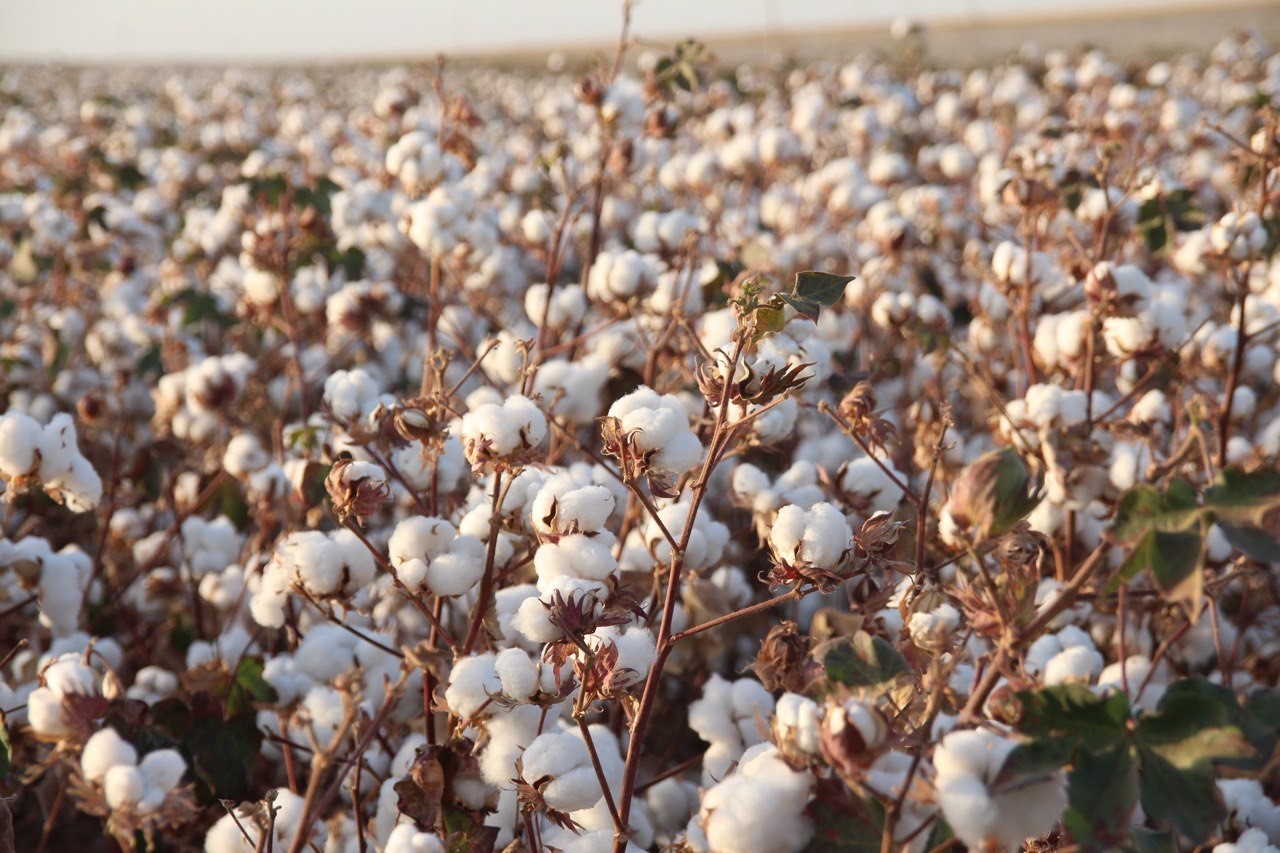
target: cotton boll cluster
428 553
653 429
58 578
68 700
128 784
46 456
813 543
318 564
759 807
981 815
502 434
727 717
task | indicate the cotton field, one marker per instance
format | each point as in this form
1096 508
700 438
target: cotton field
654 455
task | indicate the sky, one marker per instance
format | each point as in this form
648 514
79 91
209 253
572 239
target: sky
310 30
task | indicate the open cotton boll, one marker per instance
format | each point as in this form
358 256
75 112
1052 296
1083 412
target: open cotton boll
798 720
759 808
560 765
494 432
706 543
1249 806
869 487
123 785
1250 841
105 749
19 441
1077 664
932 631
533 616
517 673
727 712
636 650
659 428
471 682
561 507
567 306
576 556
967 764
406 838
818 537
351 395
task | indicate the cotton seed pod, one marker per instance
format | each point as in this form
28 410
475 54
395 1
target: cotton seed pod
852 734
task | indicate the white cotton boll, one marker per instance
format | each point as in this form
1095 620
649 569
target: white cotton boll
19 440
871 485
517 673
1151 408
576 556
728 712
1077 664
636 649
1250 841
559 508
457 572
57 447
509 733
567 307
659 425
798 719
471 682
123 785
420 537
759 808
564 760
312 558
824 541
932 631
967 763
1125 336
162 769
1248 805
105 749
406 838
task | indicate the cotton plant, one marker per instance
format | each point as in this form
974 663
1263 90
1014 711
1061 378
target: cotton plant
479 442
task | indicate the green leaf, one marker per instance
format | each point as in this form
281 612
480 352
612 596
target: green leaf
1258 719
1191 729
1252 542
248 686
821 287
1143 840
1102 791
862 660
1175 561
1243 498
770 319
1187 800
1073 713
1144 508
1035 758
804 307
843 822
